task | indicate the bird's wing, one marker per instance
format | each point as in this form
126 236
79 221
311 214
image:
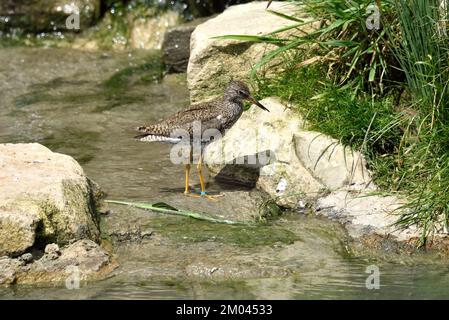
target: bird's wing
208 113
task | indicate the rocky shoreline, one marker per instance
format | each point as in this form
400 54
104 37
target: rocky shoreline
49 219
308 169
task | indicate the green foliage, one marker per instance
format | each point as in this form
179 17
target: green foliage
348 47
360 122
335 34
406 144
422 48
167 209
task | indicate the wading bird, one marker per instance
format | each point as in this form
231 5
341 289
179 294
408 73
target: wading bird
219 114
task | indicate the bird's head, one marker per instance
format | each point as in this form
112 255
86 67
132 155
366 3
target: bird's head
238 90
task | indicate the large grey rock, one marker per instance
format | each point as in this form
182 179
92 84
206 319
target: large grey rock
79 261
47 15
213 62
305 168
44 197
274 151
334 165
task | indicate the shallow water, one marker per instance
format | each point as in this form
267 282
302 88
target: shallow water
86 105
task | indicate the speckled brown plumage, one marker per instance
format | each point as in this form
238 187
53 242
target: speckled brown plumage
220 114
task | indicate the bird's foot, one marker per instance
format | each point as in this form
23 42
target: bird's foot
204 195
214 197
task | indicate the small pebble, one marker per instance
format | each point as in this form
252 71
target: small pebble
52 248
26 257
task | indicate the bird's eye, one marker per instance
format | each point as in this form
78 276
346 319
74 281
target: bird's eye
243 93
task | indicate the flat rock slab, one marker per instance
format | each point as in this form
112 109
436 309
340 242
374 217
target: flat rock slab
83 260
44 197
365 214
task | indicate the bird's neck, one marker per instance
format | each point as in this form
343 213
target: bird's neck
235 101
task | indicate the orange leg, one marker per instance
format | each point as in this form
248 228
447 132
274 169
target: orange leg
187 169
203 188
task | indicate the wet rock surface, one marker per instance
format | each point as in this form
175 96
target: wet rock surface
83 259
220 252
365 214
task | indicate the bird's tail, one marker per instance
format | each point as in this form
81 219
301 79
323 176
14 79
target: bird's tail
149 137
154 134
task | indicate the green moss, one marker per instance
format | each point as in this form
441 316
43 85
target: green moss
190 231
47 231
269 210
34 97
82 207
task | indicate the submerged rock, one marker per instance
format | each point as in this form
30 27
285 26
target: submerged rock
80 261
44 197
48 15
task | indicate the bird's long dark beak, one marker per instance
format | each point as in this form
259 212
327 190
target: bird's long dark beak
257 103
